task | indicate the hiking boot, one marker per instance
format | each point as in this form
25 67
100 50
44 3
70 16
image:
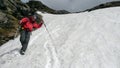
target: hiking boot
22 52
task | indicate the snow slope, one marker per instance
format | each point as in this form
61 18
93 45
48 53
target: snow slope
83 40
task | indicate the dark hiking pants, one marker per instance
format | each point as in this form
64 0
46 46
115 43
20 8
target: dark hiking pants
24 39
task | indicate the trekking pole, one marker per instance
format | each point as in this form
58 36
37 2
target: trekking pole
49 33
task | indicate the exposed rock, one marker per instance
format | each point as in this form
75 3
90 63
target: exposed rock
105 5
37 5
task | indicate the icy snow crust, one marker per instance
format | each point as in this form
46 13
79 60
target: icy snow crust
83 40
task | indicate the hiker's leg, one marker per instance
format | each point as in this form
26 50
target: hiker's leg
22 37
26 41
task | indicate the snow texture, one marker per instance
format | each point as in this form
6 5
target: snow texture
81 40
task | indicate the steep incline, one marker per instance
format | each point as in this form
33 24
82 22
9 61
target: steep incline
84 40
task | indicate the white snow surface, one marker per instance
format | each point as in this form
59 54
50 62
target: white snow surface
79 40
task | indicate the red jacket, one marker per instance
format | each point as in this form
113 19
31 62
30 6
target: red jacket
29 23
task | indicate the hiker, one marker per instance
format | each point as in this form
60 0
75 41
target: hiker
28 24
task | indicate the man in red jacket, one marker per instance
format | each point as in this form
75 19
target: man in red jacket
27 25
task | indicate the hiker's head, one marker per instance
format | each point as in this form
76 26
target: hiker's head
31 17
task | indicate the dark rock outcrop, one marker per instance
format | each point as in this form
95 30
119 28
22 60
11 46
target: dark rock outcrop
37 5
105 5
